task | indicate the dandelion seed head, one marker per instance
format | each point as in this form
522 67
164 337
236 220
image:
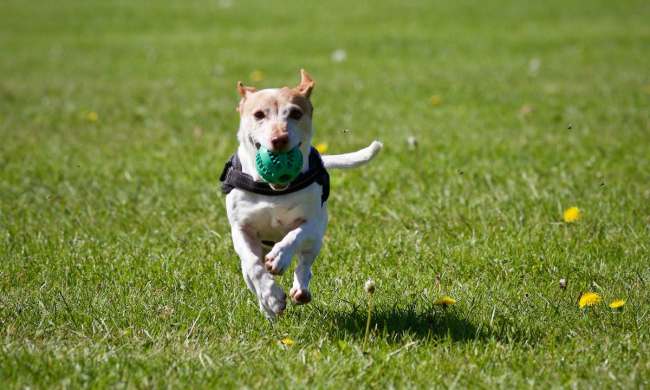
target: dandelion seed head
412 142
369 286
534 65
339 55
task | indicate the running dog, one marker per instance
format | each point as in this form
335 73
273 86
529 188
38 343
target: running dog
271 223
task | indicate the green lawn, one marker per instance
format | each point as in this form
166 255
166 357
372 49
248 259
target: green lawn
116 266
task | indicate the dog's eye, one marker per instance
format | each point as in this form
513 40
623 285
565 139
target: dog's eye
295 114
259 115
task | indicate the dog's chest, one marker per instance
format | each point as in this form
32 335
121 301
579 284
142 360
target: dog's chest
272 217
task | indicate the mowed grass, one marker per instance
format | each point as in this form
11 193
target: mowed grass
116 266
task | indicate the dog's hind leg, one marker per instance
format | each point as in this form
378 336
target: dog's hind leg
300 293
271 297
307 253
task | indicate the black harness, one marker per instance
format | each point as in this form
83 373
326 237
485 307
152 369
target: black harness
232 177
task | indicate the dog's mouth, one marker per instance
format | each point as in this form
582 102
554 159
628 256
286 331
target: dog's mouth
278 187
259 145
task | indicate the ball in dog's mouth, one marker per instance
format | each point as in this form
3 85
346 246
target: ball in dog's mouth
279 168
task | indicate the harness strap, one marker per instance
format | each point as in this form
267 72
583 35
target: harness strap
233 177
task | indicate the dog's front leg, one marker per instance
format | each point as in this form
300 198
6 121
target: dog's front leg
305 241
279 257
271 297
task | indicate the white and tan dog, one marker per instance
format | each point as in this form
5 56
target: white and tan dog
268 230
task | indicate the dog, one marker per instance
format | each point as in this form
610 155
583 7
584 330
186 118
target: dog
270 223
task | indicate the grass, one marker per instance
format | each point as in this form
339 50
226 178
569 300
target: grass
116 265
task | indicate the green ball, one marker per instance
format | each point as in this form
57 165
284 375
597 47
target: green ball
278 167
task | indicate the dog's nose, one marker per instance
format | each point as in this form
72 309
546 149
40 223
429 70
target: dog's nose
280 142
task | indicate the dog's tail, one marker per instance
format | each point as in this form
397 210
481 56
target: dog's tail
354 159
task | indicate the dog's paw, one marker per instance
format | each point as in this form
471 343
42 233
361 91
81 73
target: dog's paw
273 302
300 296
277 260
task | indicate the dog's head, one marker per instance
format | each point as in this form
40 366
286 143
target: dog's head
278 119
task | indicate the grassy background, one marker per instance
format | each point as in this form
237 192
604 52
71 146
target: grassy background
116 266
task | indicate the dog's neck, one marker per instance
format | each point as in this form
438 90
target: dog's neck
247 151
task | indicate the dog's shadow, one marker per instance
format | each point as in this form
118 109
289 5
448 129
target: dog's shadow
399 323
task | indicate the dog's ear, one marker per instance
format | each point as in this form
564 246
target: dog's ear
306 84
243 91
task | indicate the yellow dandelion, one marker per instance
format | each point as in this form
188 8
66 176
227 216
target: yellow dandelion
572 214
617 304
288 341
445 301
257 75
436 100
92 117
589 299
321 147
